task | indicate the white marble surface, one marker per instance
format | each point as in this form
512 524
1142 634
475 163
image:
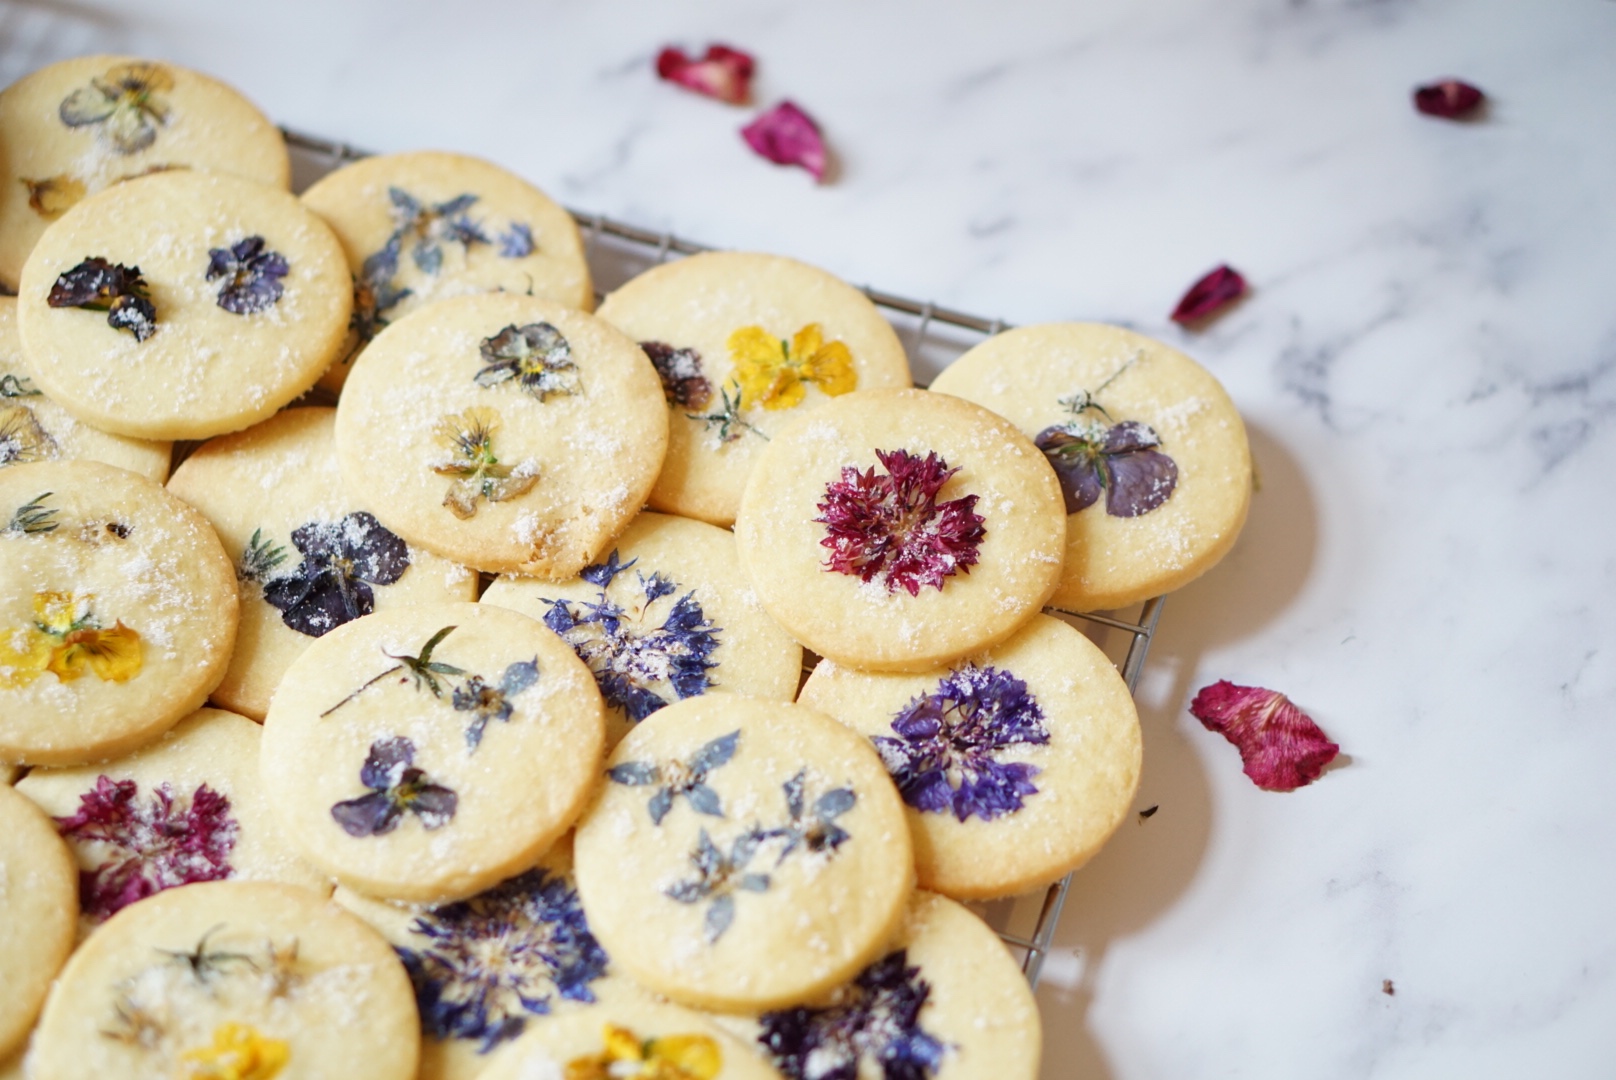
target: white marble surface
1427 365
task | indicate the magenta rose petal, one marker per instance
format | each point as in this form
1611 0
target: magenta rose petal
1211 294
788 136
1450 99
1282 748
723 73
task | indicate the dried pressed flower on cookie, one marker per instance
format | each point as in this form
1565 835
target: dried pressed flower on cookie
250 275
22 437
238 1052
331 586
125 105
664 1057
1091 456
537 356
396 787
674 778
98 285
478 473
775 373
65 638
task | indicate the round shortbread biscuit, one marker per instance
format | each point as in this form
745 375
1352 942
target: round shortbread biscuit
230 978
428 225
667 615
75 127
1015 766
38 898
1084 390
424 753
117 612
743 854
35 428
249 303
946 524
186 808
309 555
503 432
745 343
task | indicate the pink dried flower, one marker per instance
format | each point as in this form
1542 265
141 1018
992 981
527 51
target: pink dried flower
788 136
1449 98
1282 748
723 73
164 842
892 526
1211 294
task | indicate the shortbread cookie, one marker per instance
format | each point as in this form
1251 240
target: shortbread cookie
35 428
230 979
744 344
1016 765
186 808
898 530
428 225
946 1002
38 885
117 612
1151 454
309 555
424 753
666 616
75 127
183 305
743 854
503 432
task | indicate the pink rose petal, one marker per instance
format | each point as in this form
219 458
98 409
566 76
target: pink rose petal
1281 747
788 136
1211 294
723 73
1449 98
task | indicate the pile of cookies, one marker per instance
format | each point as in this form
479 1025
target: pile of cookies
460 729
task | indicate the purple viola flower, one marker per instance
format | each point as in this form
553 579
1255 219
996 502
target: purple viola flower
683 383
719 875
492 701
516 242
944 756
492 961
1121 460
332 585
431 225
396 786
814 828
875 1021
675 778
251 275
537 356
98 285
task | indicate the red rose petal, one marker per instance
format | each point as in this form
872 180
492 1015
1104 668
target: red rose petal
788 136
723 73
1282 748
1449 99
1211 294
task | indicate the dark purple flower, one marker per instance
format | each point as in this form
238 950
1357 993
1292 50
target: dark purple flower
157 844
535 355
1449 99
516 242
813 828
251 274
676 778
1280 745
944 757
1213 292
499 957
718 877
98 285
332 585
788 136
892 526
683 384
723 73
876 1021
374 292
1121 460
395 786
490 701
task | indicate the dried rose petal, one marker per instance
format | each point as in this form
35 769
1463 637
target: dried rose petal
1282 748
723 73
788 136
1449 99
1211 294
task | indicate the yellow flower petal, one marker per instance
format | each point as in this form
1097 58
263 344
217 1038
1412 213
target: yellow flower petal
114 655
806 342
831 367
757 345
622 1044
18 668
689 1057
238 1052
147 75
56 612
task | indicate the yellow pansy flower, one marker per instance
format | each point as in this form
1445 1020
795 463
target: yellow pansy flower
65 639
238 1052
628 1057
773 372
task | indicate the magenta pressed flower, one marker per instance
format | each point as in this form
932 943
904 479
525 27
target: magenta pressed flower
788 136
723 73
891 528
1215 291
1282 748
1449 98
155 844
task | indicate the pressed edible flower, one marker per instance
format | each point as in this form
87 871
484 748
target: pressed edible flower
788 136
946 755
727 418
238 1052
53 196
1449 99
98 285
124 104
251 275
32 518
813 827
722 72
683 384
667 1057
65 639
332 584
428 226
1119 459
492 961
675 778
1281 747
469 437
426 673
16 386
143 846
396 787
22 437
535 355
774 373
1213 292
207 964
492 701
890 526
719 875
516 242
